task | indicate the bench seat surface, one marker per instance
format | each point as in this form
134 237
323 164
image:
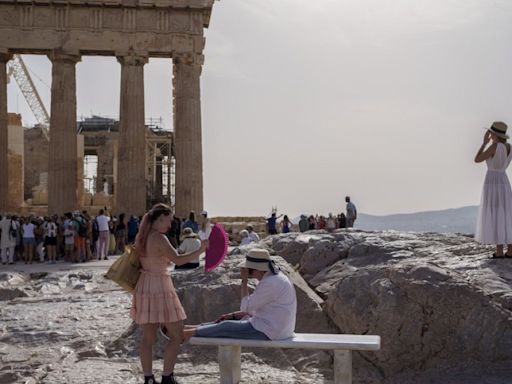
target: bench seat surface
301 340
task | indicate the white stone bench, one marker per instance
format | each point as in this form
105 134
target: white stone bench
343 345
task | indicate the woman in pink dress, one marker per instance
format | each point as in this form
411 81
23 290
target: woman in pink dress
155 300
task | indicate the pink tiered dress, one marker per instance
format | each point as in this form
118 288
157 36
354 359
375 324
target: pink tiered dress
154 298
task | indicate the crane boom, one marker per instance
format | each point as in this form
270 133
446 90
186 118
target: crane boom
18 69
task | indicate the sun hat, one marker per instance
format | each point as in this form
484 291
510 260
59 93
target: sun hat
499 128
259 259
187 232
204 213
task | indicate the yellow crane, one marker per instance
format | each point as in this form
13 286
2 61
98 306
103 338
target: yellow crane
17 69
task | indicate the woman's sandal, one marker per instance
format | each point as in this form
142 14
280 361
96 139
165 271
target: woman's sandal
495 256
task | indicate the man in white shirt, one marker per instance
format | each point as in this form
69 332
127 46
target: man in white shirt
268 313
104 234
190 243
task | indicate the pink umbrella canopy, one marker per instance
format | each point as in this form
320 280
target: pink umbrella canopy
218 243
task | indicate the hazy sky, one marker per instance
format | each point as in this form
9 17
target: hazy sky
307 101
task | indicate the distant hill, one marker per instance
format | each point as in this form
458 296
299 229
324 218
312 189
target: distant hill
461 220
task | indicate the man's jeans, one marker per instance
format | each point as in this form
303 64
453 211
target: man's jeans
231 329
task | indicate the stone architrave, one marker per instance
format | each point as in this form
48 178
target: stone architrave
4 132
131 165
187 134
63 164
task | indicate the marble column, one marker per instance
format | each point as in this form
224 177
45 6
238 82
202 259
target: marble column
4 132
62 167
187 135
131 166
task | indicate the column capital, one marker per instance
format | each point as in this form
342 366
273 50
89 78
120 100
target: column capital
69 56
5 55
188 58
132 58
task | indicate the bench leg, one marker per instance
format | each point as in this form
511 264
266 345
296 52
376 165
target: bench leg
229 364
342 367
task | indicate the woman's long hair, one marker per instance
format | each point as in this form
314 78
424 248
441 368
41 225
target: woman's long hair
145 226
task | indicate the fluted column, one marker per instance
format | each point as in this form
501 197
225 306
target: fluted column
131 179
62 169
4 135
187 134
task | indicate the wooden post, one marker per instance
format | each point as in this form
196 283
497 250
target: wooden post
342 367
229 364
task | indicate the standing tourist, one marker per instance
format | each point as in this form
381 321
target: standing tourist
51 239
494 224
120 234
312 223
103 219
272 224
9 229
154 299
133 228
342 220
191 222
29 240
303 223
39 235
80 237
205 226
351 212
286 224
69 237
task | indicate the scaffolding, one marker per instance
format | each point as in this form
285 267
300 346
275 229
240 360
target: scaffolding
160 167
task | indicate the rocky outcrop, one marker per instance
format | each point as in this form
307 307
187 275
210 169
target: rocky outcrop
438 302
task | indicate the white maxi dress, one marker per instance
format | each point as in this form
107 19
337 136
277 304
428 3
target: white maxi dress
494 225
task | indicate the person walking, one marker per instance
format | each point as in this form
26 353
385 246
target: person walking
155 300
494 225
120 234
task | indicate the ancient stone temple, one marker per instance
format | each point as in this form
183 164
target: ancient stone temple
132 31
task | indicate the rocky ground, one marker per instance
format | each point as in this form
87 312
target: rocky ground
442 308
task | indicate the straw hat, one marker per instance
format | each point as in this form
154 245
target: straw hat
260 260
499 128
187 232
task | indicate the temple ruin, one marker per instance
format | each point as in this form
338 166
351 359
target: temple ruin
132 31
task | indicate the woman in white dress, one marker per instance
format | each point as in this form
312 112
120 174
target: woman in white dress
494 224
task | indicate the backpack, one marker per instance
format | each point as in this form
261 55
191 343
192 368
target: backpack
82 229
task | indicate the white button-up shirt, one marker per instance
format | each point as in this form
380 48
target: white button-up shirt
273 306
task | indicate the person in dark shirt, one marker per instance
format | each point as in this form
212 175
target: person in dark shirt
133 229
272 224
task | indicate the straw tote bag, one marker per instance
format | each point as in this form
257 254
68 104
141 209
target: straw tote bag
125 271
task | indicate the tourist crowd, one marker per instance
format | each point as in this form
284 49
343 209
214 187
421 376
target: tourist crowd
313 222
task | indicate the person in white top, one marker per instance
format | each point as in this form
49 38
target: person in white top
29 240
494 226
205 226
190 243
244 237
104 234
252 235
269 313
9 228
50 242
